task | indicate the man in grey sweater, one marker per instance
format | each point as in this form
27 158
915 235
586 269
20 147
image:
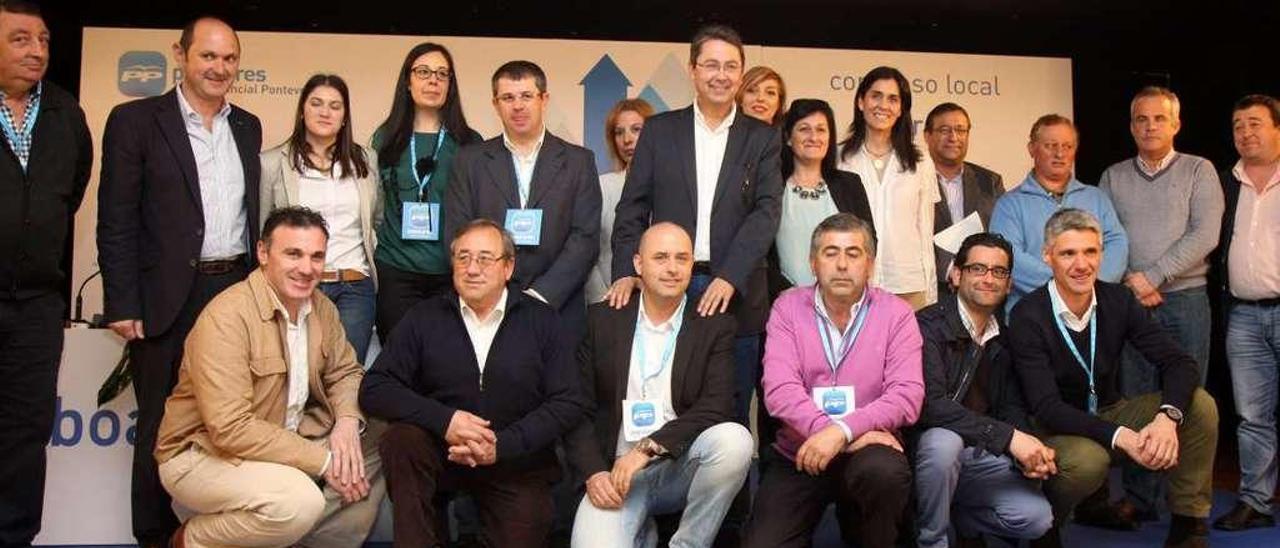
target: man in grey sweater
1171 205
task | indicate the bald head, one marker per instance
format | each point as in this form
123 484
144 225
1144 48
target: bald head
665 260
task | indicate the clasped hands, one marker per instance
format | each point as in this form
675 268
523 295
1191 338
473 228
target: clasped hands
471 442
821 448
1146 292
1155 447
607 490
346 463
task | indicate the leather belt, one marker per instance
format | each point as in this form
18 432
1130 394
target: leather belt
1273 301
220 266
342 275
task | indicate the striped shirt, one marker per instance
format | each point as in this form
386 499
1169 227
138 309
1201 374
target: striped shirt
221 182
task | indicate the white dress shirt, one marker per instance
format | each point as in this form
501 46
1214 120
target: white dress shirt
299 368
708 152
483 330
655 339
953 191
221 182
524 165
337 198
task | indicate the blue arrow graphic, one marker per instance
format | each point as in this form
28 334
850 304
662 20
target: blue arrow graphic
651 95
602 87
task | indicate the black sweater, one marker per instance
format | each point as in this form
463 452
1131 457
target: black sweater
529 391
1057 387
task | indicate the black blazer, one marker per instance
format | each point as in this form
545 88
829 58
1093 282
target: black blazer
701 382
982 187
662 185
1220 256
850 197
567 189
150 218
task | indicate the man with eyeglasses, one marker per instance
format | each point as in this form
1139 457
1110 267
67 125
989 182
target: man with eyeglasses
966 187
477 386
543 190
1066 338
1051 185
1171 205
976 460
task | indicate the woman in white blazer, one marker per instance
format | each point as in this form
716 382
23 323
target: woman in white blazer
321 167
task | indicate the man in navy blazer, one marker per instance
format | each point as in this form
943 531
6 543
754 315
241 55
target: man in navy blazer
177 208
543 190
715 173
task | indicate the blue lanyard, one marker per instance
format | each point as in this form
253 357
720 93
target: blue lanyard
423 179
846 340
28 123
1093 350
676 320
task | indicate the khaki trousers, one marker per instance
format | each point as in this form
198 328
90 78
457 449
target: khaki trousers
1083 464
917 299
267 504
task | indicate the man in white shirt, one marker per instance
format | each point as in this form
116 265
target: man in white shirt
660 436
262 437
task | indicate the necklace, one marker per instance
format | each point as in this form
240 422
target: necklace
877 160
810 193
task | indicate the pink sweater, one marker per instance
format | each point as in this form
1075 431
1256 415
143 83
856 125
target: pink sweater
884 368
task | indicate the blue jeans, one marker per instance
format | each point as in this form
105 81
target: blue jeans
702 483
746 356
356 306
1185 318
979 492
1253 354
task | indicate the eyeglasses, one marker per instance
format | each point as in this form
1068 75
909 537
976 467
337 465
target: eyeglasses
948 131
980 270
715 66
423 72
511 98
464 260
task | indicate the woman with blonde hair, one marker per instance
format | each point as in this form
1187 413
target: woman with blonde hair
762 95
622 131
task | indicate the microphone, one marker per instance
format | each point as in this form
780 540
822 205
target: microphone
78 317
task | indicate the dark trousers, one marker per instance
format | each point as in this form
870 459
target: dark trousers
515 509
399 290
154 362
870 488
30 352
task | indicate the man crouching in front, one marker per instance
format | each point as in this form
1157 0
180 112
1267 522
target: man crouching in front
261 439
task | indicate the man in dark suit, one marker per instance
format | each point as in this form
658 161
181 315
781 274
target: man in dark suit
542 189
966 188
45 159
717 175
660 383
178 206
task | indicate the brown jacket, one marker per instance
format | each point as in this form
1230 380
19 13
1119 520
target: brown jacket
233 385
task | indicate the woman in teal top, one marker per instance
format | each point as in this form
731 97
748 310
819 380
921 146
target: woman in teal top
416 146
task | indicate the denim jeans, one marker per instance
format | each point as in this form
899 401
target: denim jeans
702 482
746 356
1253 354
981 493
356 305
1185 317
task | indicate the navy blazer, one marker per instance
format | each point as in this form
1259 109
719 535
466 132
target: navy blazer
662 185
567 189
150 217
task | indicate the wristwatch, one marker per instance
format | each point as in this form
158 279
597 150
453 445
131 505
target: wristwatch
650 448
1172 412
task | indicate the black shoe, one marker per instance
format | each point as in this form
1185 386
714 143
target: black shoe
1095 512
1187 532
1243 517
1130 511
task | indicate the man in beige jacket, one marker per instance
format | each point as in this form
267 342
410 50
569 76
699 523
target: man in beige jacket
262 438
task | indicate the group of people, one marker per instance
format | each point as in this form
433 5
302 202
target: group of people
534 314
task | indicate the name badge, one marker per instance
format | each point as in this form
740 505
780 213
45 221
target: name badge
525 226
420 221
641 418
835 401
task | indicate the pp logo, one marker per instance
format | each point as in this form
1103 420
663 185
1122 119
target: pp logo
418 219
643 414
834 402
142 73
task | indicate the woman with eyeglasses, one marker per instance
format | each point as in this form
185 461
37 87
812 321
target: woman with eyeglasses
622 131
321 167
416 146
815 190
762 95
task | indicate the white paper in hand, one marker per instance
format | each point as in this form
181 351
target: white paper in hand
951 238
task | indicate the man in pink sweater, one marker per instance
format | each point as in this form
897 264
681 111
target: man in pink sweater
842 372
